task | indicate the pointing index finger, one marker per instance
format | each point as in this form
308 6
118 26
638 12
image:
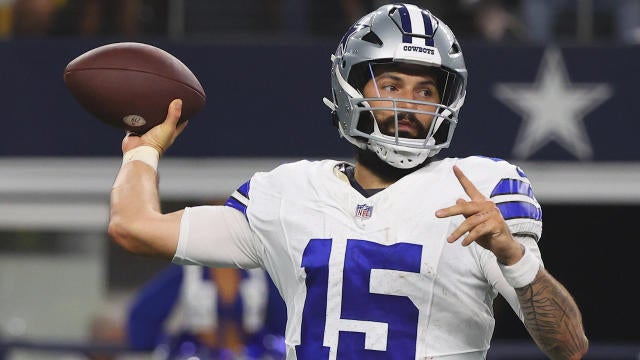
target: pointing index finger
467 185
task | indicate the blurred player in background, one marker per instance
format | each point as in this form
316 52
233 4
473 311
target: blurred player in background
398 256
188 312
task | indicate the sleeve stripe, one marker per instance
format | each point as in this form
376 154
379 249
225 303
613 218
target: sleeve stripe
234 203
499 199
239 200
519 209
239 197
244 189
512 186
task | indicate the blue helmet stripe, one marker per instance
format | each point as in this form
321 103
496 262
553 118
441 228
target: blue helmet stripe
428 29
406 24
519 210
512 186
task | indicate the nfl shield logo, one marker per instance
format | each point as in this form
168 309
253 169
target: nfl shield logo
364 211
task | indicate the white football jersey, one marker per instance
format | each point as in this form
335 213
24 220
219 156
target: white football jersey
374 277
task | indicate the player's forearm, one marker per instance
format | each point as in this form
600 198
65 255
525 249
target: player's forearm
553 318
134 204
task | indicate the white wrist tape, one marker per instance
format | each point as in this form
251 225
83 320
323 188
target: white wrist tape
523 272
147 154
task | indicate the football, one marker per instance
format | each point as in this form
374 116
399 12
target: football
130 85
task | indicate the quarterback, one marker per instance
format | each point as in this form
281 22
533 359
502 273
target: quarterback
398 255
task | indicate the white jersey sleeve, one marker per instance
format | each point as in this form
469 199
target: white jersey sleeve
216 236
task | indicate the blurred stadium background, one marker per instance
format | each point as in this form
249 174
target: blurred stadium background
65 289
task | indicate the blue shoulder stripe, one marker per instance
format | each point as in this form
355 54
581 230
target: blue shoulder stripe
238 200
512 186
244 189
490 158
519 210
518 170
232 202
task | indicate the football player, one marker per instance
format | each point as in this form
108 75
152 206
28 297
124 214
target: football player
396 256
187 312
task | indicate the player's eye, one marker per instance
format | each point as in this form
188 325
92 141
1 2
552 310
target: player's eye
427 93
389 88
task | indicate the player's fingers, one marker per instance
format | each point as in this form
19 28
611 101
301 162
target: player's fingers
476 233
448 211
175 110
466 226
467 185
451 210
462 207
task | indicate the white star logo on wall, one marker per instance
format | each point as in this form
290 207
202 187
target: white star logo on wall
552 108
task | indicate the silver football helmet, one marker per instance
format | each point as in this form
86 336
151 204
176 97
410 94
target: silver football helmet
397 34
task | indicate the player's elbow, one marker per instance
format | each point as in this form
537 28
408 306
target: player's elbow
122 233
577 345
149 234
574 349
582 348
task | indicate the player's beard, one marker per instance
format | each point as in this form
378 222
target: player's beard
372 161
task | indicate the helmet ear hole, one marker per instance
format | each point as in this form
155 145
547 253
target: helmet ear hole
455 49
373 38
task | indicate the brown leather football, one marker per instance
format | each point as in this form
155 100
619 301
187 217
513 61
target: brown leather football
130 85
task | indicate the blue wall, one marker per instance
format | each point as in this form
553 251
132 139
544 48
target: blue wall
266 101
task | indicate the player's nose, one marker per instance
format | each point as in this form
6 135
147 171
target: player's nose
408 103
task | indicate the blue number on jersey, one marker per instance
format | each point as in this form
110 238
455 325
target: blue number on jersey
358 303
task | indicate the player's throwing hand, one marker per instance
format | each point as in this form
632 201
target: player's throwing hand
161 136
483 223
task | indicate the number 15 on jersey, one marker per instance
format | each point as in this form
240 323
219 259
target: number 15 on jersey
363 300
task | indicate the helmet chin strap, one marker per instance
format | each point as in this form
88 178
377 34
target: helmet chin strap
399 156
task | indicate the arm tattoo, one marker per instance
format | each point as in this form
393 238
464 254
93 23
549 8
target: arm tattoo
552 317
